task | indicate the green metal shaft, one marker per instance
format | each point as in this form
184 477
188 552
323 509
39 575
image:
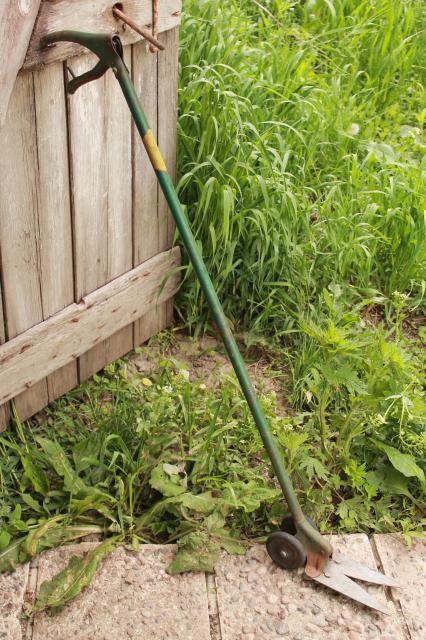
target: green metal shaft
214 303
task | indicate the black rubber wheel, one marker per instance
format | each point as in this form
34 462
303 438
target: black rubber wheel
286 550
287 524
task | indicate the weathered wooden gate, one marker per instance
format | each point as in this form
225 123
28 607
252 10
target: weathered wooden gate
85 235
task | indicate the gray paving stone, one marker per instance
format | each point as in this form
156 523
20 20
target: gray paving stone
408 566
131 596
12 591
259 601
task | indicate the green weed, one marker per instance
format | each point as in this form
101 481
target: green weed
167 459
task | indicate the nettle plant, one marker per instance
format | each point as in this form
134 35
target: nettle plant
364 387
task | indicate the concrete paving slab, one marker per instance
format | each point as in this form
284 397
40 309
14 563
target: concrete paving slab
259 601
12 592
131 596
408 566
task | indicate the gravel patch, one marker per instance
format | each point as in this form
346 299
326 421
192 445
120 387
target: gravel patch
12 591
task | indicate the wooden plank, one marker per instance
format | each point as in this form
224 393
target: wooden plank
167 77
92 16
167 140
19 226
167 123
145 193
69 333
100 134
90 197
87 128
54 219
145 231
4 408
16 24
118 149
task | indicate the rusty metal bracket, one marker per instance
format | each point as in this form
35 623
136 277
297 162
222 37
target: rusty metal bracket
155 44
153 48
315 563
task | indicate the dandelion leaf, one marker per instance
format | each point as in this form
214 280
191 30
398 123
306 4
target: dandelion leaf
69 582
197 552
9 557
61 465
168 485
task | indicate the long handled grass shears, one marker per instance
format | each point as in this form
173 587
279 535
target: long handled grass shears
299 542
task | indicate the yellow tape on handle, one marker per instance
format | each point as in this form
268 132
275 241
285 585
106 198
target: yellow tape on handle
153 151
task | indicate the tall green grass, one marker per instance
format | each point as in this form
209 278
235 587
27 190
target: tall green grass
302 167
301 157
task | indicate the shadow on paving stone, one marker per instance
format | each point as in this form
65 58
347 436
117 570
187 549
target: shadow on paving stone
260 601
131 596
408 566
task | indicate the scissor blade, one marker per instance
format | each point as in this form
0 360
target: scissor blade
335 579
359 571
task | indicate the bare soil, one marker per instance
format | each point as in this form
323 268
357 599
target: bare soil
206 360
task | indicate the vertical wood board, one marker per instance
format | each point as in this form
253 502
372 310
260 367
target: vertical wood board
145 192
17 18
87 130
100 137
167 139
119 185
165 131
145 195
54 217
87 127
167 125
19 230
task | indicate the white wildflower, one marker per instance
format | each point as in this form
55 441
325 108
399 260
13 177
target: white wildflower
354 129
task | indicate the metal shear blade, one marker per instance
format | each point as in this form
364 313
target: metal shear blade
360 571
337 575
